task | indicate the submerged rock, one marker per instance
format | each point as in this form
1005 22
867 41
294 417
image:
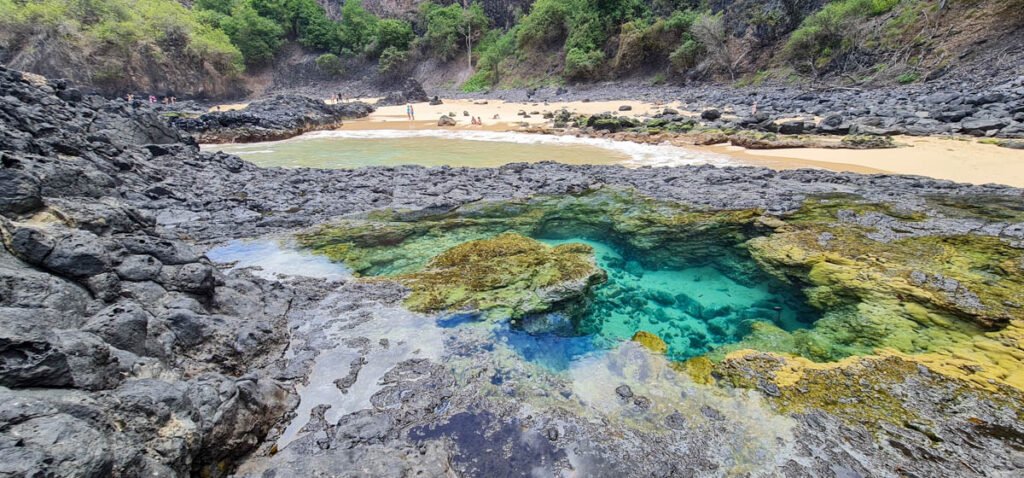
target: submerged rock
650 342
508 275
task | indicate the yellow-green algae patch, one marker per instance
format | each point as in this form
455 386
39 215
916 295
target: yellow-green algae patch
509 273
861 390
956 297
650 342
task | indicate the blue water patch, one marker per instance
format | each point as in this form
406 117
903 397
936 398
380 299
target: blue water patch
274 258
457 319
693 309
553 351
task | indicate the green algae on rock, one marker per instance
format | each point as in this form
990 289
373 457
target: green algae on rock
676 272
951 301
509 274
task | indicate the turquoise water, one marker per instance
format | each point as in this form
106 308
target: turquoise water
693 309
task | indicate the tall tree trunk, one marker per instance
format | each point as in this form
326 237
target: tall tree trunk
469 33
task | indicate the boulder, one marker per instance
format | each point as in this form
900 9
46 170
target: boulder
446 120
79 254
980 126
19 192
411 92
711 114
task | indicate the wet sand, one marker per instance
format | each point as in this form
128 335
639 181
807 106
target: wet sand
956 159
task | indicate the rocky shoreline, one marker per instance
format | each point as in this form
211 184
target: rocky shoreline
937 108
271 119
124 351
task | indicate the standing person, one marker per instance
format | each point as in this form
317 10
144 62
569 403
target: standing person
409 112
753 109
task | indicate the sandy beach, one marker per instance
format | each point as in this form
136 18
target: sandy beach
957 159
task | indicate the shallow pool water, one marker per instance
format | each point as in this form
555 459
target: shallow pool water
350 342
353 149
693 309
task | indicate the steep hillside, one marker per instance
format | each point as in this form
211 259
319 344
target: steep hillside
231 48
120 46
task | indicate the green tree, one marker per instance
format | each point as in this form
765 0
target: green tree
448 27
258 38
358 27
393 33
322 34
219 6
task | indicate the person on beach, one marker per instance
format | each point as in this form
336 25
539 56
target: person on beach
152 99
410 113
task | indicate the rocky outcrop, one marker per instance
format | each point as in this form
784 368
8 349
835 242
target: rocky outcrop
411 92
123 351
279 117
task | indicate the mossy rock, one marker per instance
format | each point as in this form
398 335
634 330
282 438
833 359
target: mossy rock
650 342
508 274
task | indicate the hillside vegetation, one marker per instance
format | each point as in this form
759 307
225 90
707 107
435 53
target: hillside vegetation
160 45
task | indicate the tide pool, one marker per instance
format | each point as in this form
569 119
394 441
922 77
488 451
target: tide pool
693 309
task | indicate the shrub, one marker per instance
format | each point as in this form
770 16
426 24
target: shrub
907 78
822 35
223 7
329 63
492 51
393 62
443 29
582 64
448 26
548 21
709 32
686 56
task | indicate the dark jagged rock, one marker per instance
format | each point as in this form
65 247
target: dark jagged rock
91 297
411 92
279 117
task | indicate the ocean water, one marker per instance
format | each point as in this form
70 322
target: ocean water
353 149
